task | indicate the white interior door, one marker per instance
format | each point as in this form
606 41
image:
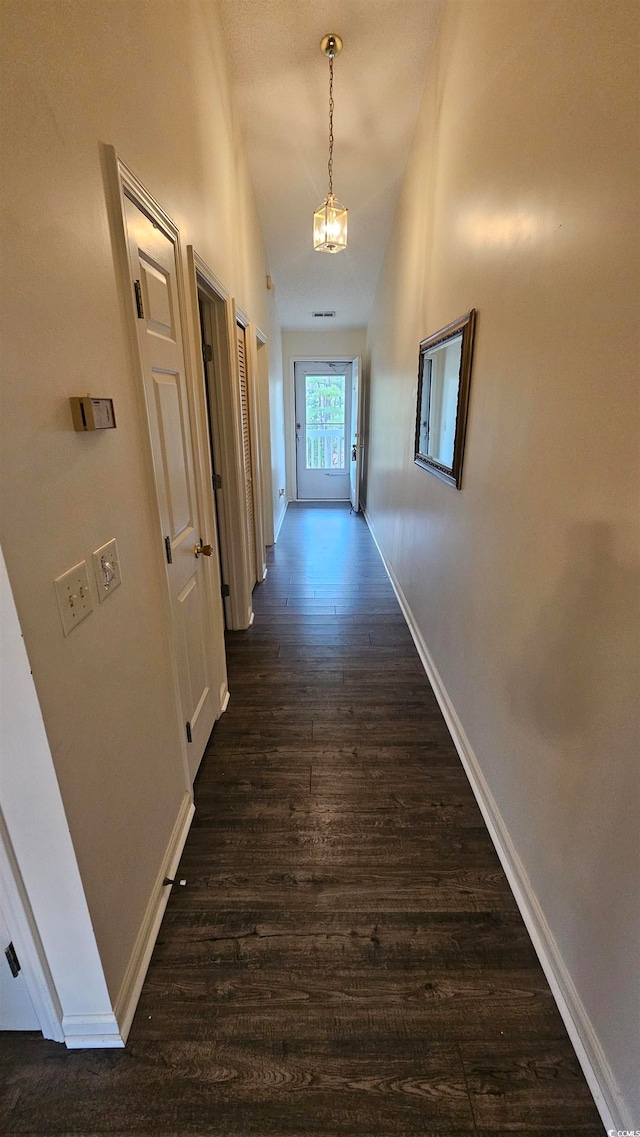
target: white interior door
152 255
356 449
16 1009
323 429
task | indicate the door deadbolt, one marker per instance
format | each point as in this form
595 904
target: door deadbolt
206 550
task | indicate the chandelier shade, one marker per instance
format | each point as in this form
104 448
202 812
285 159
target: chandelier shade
330 226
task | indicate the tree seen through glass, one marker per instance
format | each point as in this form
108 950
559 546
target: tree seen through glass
325 422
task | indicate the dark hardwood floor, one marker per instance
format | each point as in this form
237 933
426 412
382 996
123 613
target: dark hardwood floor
347 957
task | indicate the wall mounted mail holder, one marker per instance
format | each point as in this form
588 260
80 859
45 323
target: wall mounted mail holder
92 414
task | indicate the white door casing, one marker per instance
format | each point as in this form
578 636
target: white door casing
322 453
153 256
357 445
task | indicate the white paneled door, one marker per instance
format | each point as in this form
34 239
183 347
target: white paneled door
152 255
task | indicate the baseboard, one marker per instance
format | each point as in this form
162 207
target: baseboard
92 1032
596 1069
127 1000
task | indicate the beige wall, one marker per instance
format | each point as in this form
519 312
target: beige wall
149 78
519 200
345 342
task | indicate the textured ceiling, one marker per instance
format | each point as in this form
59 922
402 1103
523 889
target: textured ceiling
281 81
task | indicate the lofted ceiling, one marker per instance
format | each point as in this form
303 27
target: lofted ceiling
281 84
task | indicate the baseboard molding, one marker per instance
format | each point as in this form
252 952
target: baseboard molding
129 993
92 1032
596 1069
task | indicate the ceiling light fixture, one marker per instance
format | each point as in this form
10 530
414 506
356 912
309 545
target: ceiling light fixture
330 218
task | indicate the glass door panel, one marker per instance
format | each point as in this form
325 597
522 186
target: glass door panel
325 419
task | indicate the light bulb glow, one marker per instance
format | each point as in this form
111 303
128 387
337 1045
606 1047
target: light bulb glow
330 226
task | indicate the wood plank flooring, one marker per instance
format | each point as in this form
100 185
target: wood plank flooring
347 957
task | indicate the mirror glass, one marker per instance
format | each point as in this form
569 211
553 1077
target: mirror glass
443 393
439 403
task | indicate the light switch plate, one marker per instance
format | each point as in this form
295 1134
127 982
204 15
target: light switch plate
74 597
106 565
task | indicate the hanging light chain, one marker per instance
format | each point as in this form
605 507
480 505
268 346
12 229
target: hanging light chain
330 219
331 125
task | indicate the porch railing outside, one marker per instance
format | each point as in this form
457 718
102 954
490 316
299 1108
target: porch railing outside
326 447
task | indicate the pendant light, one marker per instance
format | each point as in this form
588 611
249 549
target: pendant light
330 218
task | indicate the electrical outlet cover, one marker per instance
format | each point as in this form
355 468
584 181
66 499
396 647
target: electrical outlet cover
106 565
74 596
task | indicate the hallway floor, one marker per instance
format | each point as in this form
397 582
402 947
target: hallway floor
347 957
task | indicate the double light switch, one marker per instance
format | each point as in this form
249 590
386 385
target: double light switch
73 591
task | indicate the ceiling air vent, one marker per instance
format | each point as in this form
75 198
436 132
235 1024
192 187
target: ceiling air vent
323 315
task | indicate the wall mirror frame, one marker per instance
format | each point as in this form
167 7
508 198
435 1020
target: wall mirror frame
444 377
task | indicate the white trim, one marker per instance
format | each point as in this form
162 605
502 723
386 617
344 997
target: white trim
280 520
241 316
129 993
92 1032
225 702
26 938
591 1057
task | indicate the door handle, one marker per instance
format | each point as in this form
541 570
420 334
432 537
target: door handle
354 453
206 550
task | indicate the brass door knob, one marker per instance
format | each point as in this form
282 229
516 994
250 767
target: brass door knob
206 550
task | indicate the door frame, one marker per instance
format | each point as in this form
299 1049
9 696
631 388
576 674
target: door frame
290 411
227 434
26 940
121 182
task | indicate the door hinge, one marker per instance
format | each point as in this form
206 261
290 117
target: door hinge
225 590
12 960
167 545
217 481
189 738
207 352
139 304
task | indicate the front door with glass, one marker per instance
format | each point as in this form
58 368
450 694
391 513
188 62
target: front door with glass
323 429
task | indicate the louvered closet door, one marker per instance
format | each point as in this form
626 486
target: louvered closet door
246 450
